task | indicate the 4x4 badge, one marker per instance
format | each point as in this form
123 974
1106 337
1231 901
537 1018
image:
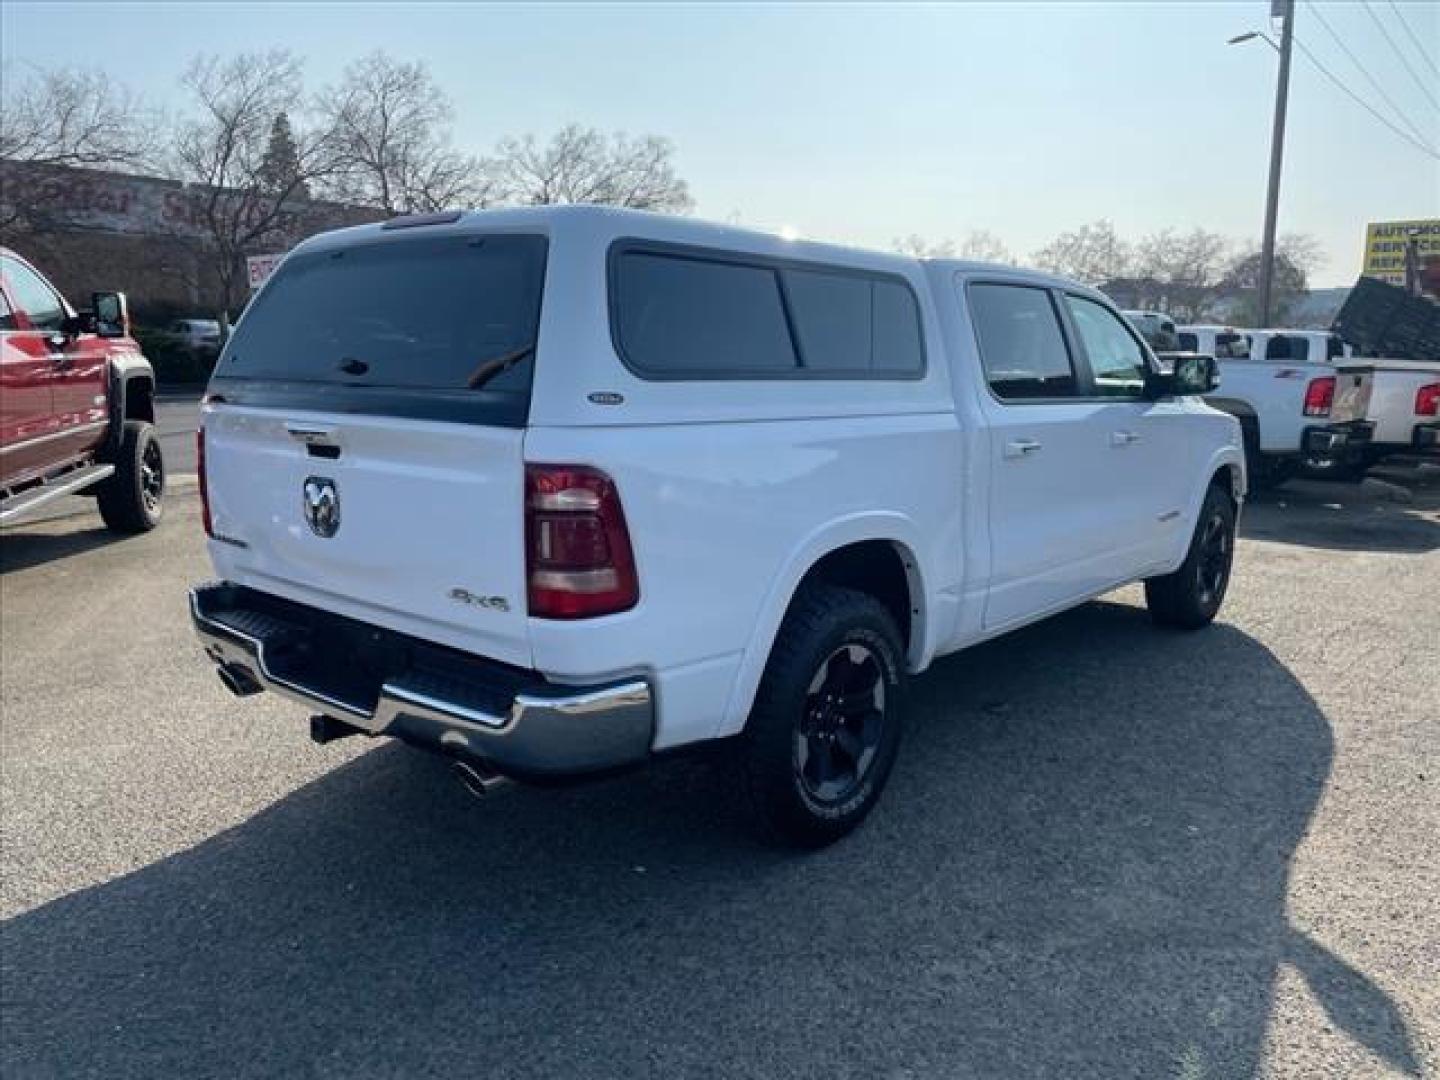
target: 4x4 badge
321 503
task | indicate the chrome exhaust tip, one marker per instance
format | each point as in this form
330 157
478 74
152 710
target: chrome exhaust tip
238 681
478 780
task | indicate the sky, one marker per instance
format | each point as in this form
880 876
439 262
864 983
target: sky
862 123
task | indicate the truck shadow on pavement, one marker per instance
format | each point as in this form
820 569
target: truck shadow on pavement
1394 511
20 550
1050 887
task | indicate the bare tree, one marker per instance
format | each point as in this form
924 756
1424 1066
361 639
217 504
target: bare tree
391 126
1179 273
918 247
581 165
1303 251
1297 256
66 117
979 245
982 245
1093 253
223 151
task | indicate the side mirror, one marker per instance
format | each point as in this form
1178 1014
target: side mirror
1189 373
82 322
112 314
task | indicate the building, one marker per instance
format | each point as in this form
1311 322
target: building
91 230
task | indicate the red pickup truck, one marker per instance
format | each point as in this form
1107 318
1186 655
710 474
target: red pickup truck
77 404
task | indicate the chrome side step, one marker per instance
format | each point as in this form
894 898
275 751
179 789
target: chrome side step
67 484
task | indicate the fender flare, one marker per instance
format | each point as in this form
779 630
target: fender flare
1226 457
1244 412
889 526
126 369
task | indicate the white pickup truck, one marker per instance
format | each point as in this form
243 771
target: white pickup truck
1403 406
552 490
1295 408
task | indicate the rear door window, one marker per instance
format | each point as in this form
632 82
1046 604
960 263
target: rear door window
1022 346
456 315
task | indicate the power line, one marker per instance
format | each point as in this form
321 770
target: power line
1414 128
1403 59
1414 39
1365 104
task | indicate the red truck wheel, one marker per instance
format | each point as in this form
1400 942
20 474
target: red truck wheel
132 501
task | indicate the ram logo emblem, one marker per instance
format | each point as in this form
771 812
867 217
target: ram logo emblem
321 503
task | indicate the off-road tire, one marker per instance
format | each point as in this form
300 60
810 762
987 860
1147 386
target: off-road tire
828 631
1191 597
1265 472
132 500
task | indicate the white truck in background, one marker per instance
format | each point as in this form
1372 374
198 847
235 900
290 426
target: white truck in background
1401 330
1301 346
1403 406
1295 409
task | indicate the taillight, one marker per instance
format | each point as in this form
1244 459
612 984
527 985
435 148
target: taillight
1319 396
578 558
204 487
1427 400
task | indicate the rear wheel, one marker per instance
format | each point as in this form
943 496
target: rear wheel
1266 472
825 728
132 500
1191 596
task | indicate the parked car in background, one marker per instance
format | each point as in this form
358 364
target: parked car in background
77 404
1294 413
197 335
551 490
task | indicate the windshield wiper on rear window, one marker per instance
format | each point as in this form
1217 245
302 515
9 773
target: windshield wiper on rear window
488 369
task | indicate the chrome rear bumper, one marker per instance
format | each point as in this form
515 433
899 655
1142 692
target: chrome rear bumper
519 726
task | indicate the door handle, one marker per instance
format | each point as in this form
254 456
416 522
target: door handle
1019 448
1123 438
311 435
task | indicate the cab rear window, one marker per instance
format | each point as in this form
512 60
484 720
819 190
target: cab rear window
394 327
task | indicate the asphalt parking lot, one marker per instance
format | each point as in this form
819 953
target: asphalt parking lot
1106 851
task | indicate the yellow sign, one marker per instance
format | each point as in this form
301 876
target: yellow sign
1385 247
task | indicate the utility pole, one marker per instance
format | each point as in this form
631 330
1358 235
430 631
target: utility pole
1285 9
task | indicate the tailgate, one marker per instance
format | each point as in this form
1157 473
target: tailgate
364 431
1353 389
427 533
